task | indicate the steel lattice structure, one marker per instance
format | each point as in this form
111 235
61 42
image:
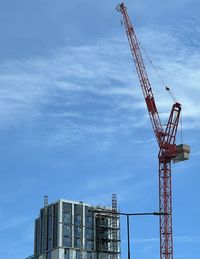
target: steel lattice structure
166 139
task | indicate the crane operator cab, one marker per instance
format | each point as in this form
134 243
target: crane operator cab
182 153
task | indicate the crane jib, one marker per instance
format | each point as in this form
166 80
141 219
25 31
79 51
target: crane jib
151 104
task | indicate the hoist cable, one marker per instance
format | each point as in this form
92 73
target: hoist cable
161 79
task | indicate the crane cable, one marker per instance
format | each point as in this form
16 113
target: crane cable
166 88
161 79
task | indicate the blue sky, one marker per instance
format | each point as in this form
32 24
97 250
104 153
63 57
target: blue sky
73 122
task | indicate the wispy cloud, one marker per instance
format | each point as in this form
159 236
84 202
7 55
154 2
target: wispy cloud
88 90
178 61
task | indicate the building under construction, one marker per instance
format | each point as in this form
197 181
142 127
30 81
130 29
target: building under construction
76 230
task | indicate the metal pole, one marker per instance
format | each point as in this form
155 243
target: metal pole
127 220
128 234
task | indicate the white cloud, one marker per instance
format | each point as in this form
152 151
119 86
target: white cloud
93 89
178 63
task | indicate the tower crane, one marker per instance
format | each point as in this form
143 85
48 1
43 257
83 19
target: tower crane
166 139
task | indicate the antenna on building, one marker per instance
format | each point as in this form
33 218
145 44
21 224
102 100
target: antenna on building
114 202
46 201
114 226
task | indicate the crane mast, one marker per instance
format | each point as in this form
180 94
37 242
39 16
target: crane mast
166 139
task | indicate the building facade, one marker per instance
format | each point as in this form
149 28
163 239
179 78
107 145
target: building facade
76 230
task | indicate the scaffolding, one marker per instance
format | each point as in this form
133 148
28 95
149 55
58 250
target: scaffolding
108 231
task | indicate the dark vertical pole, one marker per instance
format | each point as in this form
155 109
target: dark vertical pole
128 234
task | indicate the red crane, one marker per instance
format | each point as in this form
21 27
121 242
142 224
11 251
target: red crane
166 138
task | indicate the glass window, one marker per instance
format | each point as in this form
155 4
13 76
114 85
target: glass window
67 241
89 233
89 229
77 243
78 255
67 224
67 217
67 230
67 254
55 225
67 207
42 249
77 220
89 255
37 236
77 232
50 229
89 221
89 245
